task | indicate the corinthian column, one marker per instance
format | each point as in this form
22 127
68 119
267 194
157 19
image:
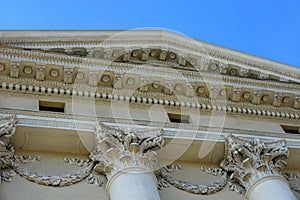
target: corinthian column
128 160
256 166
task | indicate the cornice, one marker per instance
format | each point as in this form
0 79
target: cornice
101 64
141 38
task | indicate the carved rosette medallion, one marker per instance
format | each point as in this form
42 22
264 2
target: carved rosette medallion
117 150
248 161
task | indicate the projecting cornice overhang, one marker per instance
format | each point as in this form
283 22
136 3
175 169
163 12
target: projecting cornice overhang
146 45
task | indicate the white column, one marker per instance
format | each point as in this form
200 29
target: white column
274 187
133 184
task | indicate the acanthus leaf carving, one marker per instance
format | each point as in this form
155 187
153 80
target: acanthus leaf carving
117 149
247 161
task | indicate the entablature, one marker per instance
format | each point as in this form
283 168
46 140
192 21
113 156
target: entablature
22 73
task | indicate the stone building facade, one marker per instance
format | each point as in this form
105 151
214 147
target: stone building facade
145 115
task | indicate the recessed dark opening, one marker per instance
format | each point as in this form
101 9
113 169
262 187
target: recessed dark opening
51 106
291 129
177 118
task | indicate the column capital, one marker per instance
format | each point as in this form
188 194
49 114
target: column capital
249 161
120 150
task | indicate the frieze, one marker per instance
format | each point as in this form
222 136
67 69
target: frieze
84 123
134 148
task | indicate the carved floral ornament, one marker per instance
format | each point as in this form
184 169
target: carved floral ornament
245 161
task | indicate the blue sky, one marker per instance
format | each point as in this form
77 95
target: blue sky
265 28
